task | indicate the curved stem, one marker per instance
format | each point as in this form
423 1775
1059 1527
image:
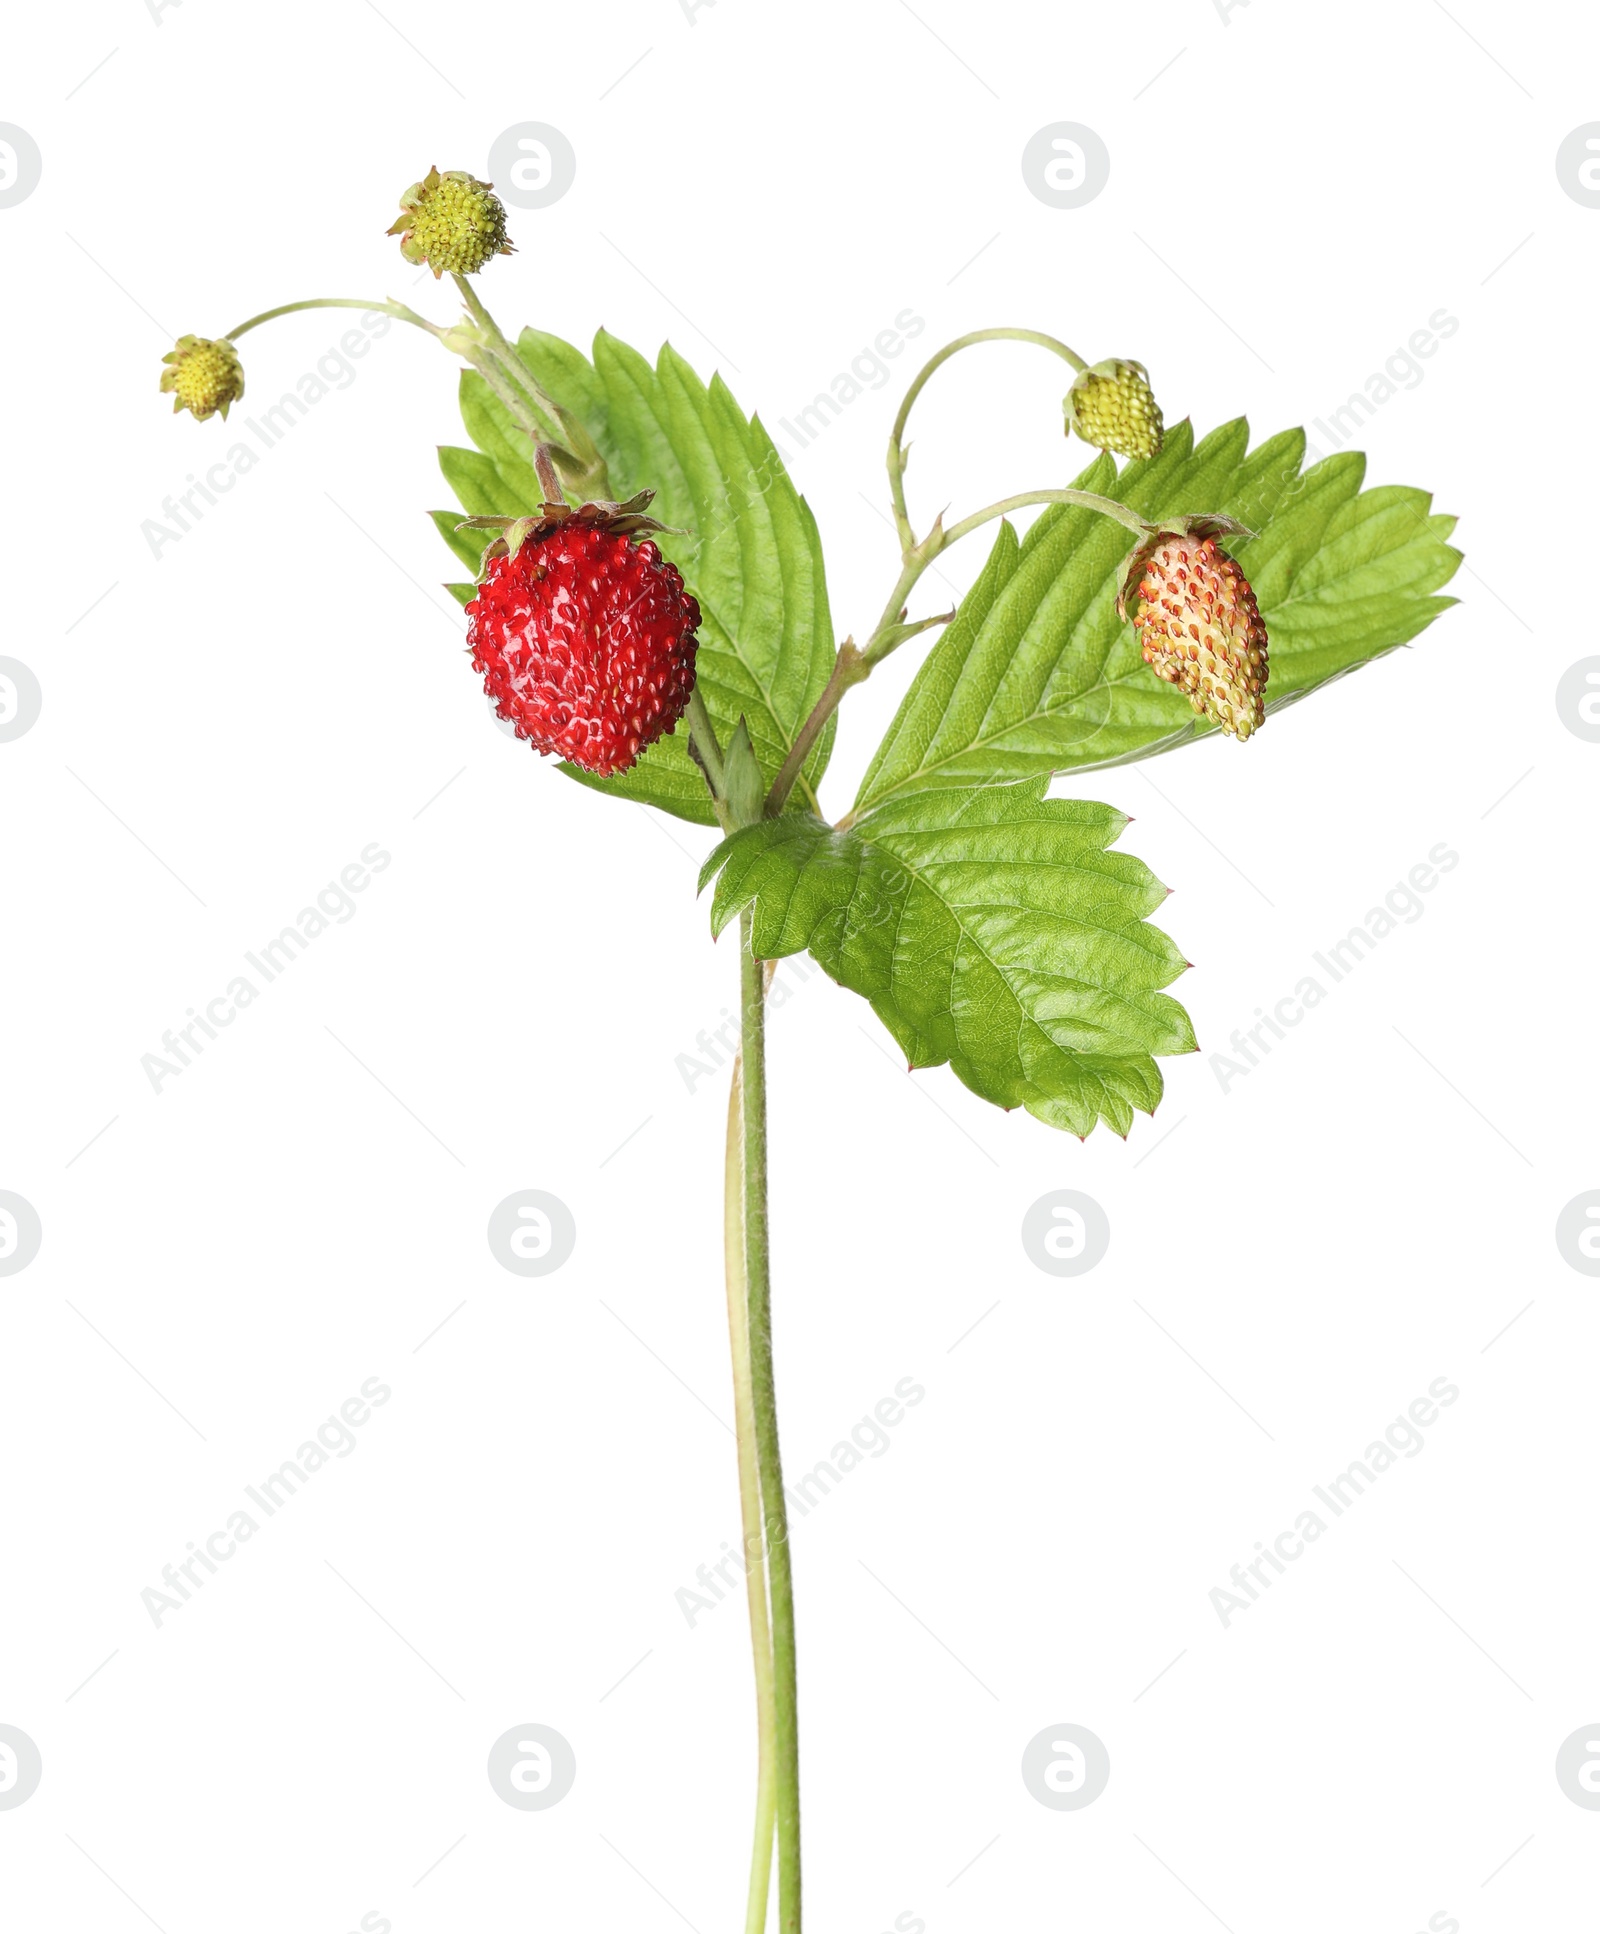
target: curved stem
396 309
1085 499
520 406
897 454
775 1519
754 1536
891 629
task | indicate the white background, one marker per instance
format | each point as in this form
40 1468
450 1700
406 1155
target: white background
1295 189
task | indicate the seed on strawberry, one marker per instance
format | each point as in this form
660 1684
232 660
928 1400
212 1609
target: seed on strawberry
1113 407
452 223
202 376
584 634
1198 621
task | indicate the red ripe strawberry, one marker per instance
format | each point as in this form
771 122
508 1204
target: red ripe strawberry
584 633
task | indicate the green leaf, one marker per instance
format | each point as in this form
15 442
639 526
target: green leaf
467 545
1037 674
478 484
482 492
989 927
744 539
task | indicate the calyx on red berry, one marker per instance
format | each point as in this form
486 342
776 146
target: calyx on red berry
1199 625
630 519
583 631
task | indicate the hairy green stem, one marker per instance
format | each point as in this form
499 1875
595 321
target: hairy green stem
1085 499
482 344
582 460
854 663
918 558
752 1527
478 354
849 668
897 452
396 309
521 408
514 369
514 373
775 1518
706 752
544 469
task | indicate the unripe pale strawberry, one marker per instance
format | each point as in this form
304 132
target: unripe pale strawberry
584 633
1198 622
202 376
1113 407
451 222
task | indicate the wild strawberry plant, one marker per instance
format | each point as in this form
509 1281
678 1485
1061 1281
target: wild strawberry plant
649 605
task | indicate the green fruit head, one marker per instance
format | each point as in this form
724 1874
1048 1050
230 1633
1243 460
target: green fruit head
202 376
1113 407
452 223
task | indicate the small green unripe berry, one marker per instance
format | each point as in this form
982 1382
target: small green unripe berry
203 377
1112 406
452 223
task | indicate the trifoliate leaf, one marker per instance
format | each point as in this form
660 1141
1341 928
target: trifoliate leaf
989 927
1037 673
744 539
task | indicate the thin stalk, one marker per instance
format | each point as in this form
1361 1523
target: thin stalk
515 370
1086 499
897 453
917 560
545 470
754 1534
705 737
481 359
396 309
854 663
518 404
589 471
706 752
847 671
509 380
753 1108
